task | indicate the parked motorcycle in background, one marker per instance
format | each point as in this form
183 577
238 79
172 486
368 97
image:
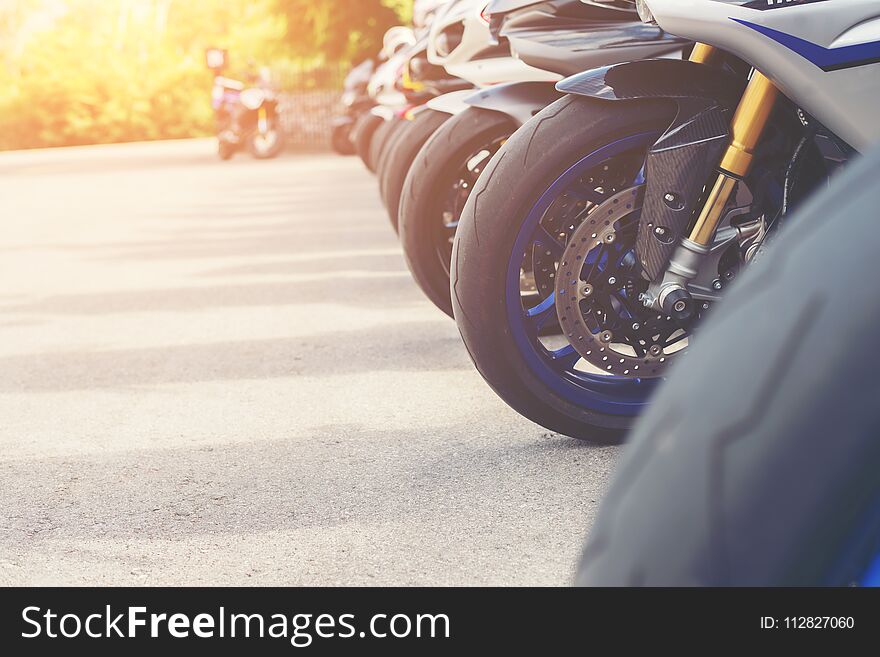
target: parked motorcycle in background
624 210
246 115
386 86
459 44
354 102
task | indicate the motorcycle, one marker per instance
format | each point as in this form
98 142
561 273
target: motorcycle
396 42
387 88
767 474
419 82
555 39
246 117
623 211
353 103
459 44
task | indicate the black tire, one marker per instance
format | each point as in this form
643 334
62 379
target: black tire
380 140
340 140
364 130
398 133
402 155
225 150
430 177
758 466
527 165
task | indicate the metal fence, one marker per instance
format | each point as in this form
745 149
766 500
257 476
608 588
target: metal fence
308 100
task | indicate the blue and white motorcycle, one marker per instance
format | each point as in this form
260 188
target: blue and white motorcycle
622 212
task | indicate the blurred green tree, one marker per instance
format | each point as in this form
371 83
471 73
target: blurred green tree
341 30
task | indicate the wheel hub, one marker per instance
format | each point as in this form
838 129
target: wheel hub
597 295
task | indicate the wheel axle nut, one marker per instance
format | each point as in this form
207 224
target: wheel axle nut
676 302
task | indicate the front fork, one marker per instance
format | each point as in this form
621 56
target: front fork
747 127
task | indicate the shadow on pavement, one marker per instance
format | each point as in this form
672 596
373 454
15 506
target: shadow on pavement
327 354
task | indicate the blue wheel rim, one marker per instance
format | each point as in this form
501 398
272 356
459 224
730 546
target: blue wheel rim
606 394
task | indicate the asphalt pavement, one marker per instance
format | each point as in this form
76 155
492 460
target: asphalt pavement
221 373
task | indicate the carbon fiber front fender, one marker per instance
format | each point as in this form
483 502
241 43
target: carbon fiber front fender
682 160
518 100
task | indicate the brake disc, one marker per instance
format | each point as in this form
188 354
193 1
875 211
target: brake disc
597 292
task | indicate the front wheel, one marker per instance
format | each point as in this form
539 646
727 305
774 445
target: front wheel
340 139
400 159
435 190
225 149
268 144
545 184
363 132
382 138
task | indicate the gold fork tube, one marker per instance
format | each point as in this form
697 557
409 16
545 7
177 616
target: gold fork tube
704 229
748 125
702 53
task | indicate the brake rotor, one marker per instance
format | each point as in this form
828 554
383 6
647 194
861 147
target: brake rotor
566 213
597 295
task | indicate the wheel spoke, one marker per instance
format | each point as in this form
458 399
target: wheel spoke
564 358
542 313
588 195
640 176
596 261
669 343
628 304
610 317
543 237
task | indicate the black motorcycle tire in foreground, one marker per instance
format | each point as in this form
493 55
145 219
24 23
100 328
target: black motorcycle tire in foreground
363 133
401 156
532 159
756 465
427 186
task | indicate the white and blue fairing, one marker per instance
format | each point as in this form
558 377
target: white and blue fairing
823 54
